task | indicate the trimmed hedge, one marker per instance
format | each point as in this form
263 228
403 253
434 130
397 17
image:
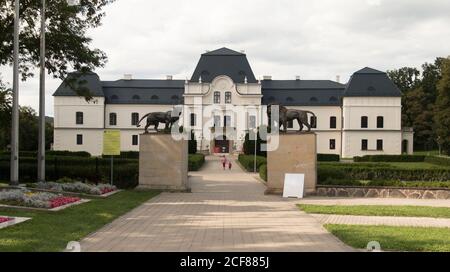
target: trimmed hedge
196 161
263 172
50 153
358 172
247 161
390 158
328 157
125 174
438 160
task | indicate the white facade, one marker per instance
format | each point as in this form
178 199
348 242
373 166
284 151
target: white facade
347 124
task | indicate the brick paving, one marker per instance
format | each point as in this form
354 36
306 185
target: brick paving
382 220
226 211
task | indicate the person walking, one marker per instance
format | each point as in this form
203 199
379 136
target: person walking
224 162
229 165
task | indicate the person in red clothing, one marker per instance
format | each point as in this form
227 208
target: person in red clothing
224 162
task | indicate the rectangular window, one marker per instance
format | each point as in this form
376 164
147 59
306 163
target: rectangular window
364 122
135 140
227 121
112 119
332 144
79 118
252 121
228 98
193 120
313 121
79 139
134 118
364 144
333 122
216 97
217 121
380 122
379 145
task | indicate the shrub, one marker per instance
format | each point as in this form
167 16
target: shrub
263 172
357 172
328 157
196 161
438 160
390 158
125 155
247 161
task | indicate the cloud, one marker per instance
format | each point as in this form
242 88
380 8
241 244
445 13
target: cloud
314 39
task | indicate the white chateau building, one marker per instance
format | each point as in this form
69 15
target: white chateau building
362 117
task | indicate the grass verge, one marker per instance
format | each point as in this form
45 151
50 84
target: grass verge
372 210
51 231
394 238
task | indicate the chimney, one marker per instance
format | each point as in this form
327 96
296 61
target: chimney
243 51
169 77
127 76
338 79
267 77
297 77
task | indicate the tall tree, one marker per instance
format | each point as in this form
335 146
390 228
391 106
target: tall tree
406 79
67 45
442 108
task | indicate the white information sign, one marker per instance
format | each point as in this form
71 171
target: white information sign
294 185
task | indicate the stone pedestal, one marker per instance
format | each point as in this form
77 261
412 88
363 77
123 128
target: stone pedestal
163 163
296 153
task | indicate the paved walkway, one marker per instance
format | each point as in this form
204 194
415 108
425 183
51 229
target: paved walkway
382 220
226 211
376 201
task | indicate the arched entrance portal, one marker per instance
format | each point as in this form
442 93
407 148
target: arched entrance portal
221 144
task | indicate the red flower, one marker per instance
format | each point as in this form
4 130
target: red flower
107 190
5 219
62 200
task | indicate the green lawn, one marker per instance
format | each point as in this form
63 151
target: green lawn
409 211
51 231
394 238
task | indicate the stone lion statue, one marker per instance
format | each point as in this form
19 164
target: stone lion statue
287 115
154 118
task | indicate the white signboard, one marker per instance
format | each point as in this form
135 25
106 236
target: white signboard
294 185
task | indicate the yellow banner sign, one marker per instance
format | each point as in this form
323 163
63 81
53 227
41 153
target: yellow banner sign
111 142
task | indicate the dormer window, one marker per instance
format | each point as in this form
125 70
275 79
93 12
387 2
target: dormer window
289 99
313 99
154 97
333 99
136 97
114 97
271 99
371 89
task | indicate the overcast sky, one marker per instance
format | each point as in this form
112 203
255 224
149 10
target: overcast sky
314 39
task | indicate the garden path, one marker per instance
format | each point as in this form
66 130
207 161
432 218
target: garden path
383 220
226 211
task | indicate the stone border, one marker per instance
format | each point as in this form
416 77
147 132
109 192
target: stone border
14 221
382 192
81 201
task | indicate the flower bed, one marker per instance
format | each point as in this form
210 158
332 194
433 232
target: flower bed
5 219
67 185
25 198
